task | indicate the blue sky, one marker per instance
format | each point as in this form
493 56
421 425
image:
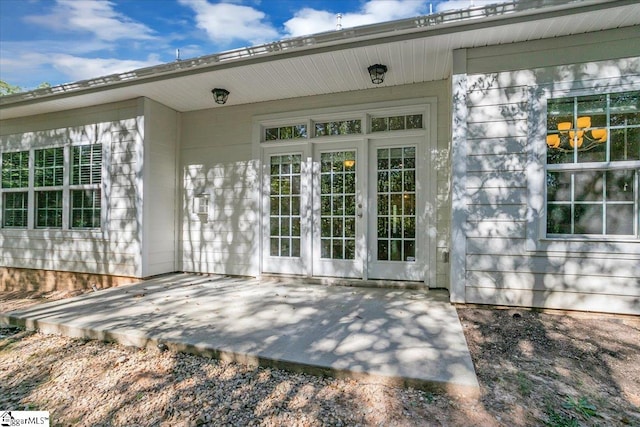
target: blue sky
61 41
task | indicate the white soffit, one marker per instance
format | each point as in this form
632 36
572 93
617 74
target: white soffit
338 68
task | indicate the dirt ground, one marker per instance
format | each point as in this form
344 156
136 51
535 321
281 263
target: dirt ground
534 368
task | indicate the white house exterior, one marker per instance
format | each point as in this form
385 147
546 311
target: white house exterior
500 158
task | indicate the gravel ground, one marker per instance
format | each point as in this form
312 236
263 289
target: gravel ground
534 369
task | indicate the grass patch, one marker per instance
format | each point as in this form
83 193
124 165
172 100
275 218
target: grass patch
581 406
524 384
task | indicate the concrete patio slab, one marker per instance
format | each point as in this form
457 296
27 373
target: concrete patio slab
398 336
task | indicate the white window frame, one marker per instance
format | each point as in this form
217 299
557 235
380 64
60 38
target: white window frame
536 170
26 190
66 189
427 107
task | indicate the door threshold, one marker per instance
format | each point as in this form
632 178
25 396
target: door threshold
289 279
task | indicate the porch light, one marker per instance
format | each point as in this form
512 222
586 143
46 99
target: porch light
377 72
567 135
220 95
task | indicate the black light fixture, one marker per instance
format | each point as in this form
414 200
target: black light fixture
220 95
376 72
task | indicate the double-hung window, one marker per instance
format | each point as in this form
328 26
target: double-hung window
86 175
48 180
15 189
593 165
54 187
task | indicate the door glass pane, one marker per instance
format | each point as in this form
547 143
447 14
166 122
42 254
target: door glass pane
338 204
284 229
396 198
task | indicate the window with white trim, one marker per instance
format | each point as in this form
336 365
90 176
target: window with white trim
48 181
391 123
285 132
39 175
593 165
338 127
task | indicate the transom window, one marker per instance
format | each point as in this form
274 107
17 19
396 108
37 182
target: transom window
339 127
593 163
285 132
318 128
50 194
390 123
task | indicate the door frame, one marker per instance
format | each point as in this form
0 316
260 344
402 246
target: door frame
398 270
433 161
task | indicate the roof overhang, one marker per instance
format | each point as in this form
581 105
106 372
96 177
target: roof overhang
415 50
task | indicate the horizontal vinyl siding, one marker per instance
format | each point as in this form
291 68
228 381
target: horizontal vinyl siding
217 159
159 200
115 248
500 266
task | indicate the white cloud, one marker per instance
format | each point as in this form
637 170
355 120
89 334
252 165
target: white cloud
225 22
310 21
93 16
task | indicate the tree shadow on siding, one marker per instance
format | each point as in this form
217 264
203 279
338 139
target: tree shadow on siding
505 264
113 248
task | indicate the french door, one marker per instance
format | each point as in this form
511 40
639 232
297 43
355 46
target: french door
339 245
352 209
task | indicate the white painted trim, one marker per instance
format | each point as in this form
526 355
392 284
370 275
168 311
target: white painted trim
459 199
178 195
427 106
141 156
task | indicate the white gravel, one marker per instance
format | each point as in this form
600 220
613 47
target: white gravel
90 383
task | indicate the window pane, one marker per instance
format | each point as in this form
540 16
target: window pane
396 123
49 164
620 219
343 127
588 219
558 219
625 109
271 134
620 185
378 124
86 164
49 209
15 169
85 208
558 186
383 250
414 121
14 210
589 186
625 144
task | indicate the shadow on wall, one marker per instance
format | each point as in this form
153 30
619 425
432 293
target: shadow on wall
114 247
220 212
505 195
